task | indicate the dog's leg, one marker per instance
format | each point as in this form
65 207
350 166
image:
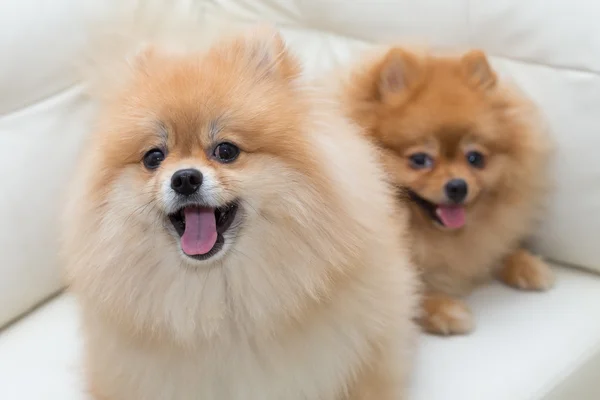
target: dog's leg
445 315
523 270
384 381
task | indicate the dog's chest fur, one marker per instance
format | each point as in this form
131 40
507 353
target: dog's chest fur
316 362
455 263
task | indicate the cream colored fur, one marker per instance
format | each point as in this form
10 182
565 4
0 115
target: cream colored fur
314 299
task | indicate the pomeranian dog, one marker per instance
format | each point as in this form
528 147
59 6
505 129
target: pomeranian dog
230 235
470 157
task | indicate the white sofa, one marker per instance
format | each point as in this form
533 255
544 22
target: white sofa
526 346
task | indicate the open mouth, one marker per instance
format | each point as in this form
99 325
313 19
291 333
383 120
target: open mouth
448 216
201 228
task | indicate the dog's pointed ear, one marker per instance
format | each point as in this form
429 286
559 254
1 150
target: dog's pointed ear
141 58
400 71
478 70
266 53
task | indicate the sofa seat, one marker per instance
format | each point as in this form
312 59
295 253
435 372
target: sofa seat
526 346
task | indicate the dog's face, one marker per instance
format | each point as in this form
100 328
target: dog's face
443 132
204 191
193 146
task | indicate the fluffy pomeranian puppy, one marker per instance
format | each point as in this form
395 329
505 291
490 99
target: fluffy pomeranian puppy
470 157
230 235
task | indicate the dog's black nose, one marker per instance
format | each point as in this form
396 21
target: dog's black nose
186 181
456 190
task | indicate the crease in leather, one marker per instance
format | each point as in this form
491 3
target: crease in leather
44 101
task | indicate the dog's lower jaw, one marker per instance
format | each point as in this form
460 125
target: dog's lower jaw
227 235
423 217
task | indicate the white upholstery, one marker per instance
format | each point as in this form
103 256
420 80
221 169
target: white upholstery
40 355
527 346
41 126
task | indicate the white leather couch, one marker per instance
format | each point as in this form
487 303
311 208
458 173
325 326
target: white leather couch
526 346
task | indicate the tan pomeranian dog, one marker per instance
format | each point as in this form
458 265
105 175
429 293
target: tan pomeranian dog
230 236
471 157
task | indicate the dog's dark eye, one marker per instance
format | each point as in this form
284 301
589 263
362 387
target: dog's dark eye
153 158
476 159
226 152
421 161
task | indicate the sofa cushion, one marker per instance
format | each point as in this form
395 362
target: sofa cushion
548 48
40 355
43 117
527 346
40 144
42 123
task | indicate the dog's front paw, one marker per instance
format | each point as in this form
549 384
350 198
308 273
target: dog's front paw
445 315
525 271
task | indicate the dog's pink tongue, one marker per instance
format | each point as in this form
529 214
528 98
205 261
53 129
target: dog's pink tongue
452 217
200 233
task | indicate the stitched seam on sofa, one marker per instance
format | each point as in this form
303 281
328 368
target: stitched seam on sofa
30 310
43 102
298 27
582 360
547 65
41 97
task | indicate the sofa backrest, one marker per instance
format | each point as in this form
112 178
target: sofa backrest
551 48
42 123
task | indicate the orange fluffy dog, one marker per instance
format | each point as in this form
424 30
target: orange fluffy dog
228 237
471 158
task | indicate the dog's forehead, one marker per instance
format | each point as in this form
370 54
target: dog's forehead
184 112
192 136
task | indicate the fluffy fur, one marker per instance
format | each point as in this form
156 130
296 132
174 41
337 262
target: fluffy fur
447 107
312 295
